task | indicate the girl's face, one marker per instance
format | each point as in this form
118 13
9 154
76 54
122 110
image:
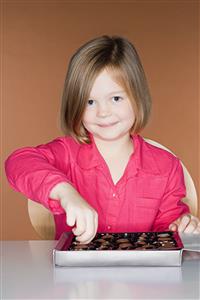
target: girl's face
109 114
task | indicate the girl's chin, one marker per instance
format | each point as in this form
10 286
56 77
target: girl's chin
110 137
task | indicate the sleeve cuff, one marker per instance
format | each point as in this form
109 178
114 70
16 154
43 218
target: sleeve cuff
164 226
55 207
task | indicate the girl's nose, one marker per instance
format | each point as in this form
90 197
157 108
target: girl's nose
103 110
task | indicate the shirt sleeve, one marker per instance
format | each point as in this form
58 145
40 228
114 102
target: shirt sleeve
34 171
172 206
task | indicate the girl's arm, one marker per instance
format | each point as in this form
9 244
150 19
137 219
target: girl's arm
42 174
171 205
34 171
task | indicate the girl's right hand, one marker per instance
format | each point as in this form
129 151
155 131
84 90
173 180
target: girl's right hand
79 213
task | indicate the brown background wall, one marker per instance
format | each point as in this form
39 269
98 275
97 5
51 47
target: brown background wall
39 37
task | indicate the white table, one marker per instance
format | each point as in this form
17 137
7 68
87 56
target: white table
28 273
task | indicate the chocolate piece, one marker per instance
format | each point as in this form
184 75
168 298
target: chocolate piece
119 241
107 236
164 235
125 246
141 243
102 247
167 245
81 247
102 242
164 239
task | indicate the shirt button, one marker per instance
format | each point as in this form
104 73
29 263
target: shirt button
114 195
108 227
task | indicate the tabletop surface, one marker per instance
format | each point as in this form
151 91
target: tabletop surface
28 273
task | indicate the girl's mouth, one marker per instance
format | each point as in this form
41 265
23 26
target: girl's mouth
107 125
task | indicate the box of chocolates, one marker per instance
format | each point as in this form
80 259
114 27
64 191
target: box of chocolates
120 249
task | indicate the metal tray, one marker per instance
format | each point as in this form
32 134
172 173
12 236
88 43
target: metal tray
63 256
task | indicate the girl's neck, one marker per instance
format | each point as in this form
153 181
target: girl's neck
113 148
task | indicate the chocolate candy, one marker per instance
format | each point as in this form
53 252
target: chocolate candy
119 241
125 246
128 241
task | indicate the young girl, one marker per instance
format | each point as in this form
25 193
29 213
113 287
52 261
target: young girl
102 175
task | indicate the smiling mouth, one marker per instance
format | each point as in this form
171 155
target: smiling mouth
107 125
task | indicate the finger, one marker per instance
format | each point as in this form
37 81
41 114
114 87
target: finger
96 222
192 225
183 223
85 238
80 225
83 241
71 218
90 232
197 229
173 227
95 219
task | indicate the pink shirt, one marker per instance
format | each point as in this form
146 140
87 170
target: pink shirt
146 198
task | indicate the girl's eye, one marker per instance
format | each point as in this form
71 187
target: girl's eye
117 98
90 102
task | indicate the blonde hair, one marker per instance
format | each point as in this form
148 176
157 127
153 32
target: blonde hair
118 56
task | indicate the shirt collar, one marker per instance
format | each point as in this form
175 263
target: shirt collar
141 159
144 156
88 155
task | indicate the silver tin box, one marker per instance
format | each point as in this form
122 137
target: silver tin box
63 256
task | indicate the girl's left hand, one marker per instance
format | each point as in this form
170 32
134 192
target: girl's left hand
187 224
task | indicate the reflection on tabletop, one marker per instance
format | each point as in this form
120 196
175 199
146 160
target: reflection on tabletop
130 282
191 246
191 255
